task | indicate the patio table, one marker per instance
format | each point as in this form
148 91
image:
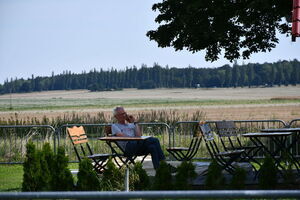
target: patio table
279 138
110 140
295 141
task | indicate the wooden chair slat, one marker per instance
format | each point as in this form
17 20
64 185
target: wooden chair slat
80 141
78 136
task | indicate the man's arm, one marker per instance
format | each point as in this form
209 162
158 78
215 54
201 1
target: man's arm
116 131
137 130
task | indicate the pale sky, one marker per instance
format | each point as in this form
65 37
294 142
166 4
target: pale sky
41 36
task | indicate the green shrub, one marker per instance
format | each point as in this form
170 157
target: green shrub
112 178
163 177
31 169
214 178
267 178
185 172
288 175
87 177
140 177
62 179
238 179
44 174
48 155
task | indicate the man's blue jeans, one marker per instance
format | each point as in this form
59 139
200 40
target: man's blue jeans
150 145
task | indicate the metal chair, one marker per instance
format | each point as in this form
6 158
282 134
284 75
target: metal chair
229 134
186 153
224 158
82 148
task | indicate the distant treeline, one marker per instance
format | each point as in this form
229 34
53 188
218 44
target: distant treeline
267 74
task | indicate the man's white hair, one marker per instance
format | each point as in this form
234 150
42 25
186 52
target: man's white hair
116 109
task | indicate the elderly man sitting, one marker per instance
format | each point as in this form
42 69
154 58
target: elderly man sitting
128 127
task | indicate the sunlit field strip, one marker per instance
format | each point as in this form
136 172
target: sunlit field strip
56 104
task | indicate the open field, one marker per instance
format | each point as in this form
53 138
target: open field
216 103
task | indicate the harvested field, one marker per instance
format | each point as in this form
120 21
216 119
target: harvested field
216 103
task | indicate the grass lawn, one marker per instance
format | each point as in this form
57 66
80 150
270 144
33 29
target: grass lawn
11 177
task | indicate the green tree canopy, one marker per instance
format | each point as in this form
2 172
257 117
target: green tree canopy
238 27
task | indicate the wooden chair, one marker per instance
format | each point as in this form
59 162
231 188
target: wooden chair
82 148
186 153
224 158
230 134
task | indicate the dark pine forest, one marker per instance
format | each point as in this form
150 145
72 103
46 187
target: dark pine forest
249 75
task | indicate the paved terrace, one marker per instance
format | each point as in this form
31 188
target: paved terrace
251 180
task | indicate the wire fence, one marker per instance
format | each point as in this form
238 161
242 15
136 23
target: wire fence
13 138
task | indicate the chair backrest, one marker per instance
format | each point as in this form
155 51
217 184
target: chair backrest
77 135
206 132
79 139
226 128
210 143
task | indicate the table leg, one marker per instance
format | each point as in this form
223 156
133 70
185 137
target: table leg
290 149
272 154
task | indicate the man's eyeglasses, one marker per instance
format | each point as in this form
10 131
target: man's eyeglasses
124 113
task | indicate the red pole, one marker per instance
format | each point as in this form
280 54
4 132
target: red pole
296 20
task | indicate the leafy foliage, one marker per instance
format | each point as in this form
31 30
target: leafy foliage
185 172
214 178
230 25
87 177
267 178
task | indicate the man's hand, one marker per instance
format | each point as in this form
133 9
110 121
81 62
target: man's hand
130 119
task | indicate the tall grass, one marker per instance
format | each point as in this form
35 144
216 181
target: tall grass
167 116
13 140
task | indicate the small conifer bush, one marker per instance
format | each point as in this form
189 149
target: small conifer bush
112 178
141 180
31 168
238 179
44 173
87 177
185 173
163 177
62 179
214 178
267 178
